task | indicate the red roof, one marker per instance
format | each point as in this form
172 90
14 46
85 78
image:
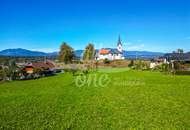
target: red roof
46 65
104 51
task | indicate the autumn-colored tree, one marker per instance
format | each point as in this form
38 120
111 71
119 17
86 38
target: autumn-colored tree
66 53
89 53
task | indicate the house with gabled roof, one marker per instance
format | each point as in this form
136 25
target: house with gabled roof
46 65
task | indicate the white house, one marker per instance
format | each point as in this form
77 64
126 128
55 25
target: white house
158 62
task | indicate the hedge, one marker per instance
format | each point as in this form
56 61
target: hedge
180 72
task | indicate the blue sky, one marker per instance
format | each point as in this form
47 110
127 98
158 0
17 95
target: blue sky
152 25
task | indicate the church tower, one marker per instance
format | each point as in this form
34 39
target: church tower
119 45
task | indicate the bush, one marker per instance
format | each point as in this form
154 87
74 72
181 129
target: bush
166 68
106 61
131 63
180 72
68 70
141 65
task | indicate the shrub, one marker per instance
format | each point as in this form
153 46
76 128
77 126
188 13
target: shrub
131 63
141 65
180 72
106 61
166 68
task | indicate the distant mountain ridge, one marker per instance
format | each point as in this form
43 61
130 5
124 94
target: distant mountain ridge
24 52
142 54
21 52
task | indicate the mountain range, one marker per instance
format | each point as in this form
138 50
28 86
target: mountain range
19 52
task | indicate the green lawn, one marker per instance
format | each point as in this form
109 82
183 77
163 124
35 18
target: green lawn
125 99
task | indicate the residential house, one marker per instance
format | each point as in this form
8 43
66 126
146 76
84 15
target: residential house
179 60
157 62
46 65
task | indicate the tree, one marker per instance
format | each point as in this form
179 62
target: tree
180 50
141 65
66 53
8 70
131 63
2 74
11 70
89 53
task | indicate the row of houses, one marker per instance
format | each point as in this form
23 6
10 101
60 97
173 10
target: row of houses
181 58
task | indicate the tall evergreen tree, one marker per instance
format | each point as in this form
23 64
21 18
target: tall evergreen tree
66 53
89 53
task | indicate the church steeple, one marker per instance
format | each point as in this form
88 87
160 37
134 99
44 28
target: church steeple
119 44
119 41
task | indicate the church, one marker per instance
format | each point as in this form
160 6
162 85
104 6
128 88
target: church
110 53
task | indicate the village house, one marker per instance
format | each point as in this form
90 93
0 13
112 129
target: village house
182 59
46 65
111 54
179 60
157 62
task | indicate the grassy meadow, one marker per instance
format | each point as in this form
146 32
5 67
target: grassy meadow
110 99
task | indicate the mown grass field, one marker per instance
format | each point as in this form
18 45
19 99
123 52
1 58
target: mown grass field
126 99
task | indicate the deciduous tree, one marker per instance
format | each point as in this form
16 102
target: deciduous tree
89 53
66 53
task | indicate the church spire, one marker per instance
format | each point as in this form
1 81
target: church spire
119 41
119 45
